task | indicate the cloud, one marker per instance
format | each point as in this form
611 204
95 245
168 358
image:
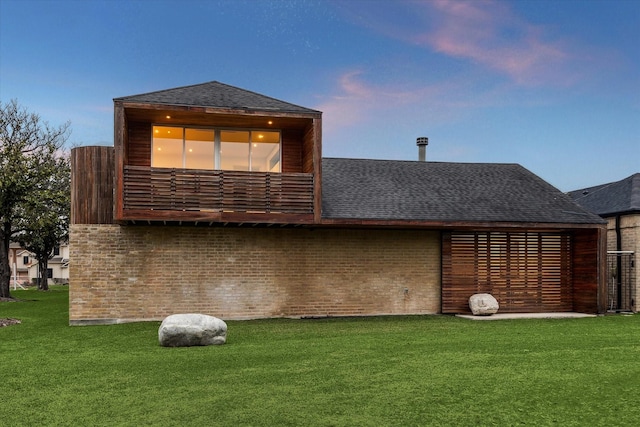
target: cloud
484 32
487 33
354 99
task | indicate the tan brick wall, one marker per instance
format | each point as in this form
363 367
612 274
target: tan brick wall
630 233
124 273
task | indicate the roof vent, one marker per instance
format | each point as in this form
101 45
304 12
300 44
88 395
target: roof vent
422 143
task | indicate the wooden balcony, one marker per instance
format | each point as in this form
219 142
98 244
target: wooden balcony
162 194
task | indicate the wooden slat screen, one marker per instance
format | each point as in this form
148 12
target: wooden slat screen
525 272
216 190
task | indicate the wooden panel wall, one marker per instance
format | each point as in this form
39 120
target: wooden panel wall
586 272
291 151
139 144
307 150
92 184
525 272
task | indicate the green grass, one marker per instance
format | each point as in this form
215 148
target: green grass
384 371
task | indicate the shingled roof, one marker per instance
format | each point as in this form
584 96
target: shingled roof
443 192
613 198
216 95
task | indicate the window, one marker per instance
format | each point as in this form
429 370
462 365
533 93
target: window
49 273
192 148
234 150
56 251
167 147
265 151
25 260
199 147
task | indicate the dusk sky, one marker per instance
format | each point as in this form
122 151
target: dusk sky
553 85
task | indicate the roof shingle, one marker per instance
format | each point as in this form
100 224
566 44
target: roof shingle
447 192
612 198
216 95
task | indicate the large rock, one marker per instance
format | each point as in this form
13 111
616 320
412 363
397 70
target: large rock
185 330
483 304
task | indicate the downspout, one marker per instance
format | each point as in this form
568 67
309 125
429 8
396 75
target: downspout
618 263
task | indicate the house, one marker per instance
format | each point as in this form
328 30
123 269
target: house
24 265
19 262
619 204
57 266
215 199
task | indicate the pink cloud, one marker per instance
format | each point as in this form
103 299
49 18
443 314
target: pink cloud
354 99
487 33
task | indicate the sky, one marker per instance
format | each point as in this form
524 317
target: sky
553 85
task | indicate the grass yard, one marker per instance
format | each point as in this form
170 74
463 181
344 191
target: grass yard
383 371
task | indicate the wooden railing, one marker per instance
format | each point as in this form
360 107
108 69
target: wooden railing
162 189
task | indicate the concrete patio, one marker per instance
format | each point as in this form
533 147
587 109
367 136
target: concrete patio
511 316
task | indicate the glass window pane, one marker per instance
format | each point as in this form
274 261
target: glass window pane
265 151
265 157
166 147
199 148
265 136
234 150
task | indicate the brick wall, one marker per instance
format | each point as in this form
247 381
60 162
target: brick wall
126 273
630 234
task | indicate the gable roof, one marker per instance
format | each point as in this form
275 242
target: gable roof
443 192
216 95
613 198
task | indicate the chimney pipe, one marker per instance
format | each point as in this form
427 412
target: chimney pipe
422 143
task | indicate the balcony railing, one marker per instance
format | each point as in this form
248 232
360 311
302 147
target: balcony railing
161 189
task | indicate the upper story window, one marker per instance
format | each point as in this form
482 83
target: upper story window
194 148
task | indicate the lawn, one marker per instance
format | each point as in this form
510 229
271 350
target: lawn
381 371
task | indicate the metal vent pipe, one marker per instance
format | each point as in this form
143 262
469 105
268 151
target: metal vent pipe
422 143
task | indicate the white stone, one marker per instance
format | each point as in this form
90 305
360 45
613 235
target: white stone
483 304
185 330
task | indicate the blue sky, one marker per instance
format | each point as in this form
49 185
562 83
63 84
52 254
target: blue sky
553 85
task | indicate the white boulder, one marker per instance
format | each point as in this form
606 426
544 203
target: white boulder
483 304
185 330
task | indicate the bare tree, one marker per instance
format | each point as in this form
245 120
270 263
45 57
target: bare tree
29 156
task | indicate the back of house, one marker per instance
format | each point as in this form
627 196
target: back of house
216 199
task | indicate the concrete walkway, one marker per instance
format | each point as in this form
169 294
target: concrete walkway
511 316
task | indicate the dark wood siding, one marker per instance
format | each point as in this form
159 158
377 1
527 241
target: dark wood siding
525 272
291 151
92 181
586 271
139 146
307 150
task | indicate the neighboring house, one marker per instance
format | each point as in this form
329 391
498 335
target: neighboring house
217 200
19 262
618 203
24 265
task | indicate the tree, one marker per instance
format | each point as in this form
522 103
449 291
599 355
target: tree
44 218
29 156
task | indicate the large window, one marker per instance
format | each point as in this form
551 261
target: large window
192 148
